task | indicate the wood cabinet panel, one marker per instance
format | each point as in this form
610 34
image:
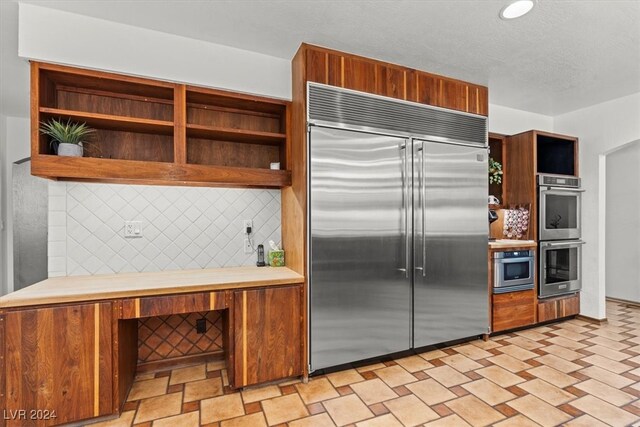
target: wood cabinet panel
454 95
268 334
133 308
557 308
513 310
359 74
130 171
317 65
391 81
381 78
570 306
427 89
335 69
478 100
59 359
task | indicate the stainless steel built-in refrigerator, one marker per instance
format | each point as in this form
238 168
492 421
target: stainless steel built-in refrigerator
397 226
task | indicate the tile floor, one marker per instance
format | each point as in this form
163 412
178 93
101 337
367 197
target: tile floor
572 373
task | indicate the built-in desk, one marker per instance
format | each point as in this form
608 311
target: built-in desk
69 344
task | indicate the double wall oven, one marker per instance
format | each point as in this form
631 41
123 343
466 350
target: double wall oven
559 232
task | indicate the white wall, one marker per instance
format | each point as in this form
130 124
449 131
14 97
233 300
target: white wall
601 128
509 121
623 223
61 37
17 145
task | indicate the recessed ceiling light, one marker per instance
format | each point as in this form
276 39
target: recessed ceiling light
516 9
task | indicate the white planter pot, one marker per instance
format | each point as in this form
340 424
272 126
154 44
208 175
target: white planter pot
71 150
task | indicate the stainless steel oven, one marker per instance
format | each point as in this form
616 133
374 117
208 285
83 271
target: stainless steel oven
560 267
513 271
560 200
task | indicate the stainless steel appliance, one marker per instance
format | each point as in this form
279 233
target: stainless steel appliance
560 267
559 232
560 200
30 210
397 226
513 271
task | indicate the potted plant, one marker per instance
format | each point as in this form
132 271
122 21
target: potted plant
67 139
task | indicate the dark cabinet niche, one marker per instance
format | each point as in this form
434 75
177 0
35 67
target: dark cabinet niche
496 142
556 155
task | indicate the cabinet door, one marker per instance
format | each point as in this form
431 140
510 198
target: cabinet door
359 74
427 89
558 308
58 362
547 310
513 310
570 306
268 334
454 95
391 81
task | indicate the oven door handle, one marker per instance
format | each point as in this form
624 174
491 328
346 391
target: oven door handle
512 260
566 244
563 189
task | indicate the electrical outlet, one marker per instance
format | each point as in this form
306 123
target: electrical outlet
247 223
248 246
132 229
201 326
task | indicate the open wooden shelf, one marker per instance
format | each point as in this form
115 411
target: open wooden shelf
131 171
110 122
157 132
235 135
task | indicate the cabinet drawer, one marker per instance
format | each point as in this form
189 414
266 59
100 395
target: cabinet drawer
558 308
513 310
133 308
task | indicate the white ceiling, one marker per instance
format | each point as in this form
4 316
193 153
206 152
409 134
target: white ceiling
563 56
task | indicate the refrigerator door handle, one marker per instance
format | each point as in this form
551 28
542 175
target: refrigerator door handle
405 206
423 206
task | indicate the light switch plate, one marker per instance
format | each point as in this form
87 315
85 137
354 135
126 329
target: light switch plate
132 229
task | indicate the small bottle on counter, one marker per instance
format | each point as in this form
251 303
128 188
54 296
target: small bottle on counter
260 251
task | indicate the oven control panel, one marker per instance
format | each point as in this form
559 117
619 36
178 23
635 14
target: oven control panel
513 254
558 181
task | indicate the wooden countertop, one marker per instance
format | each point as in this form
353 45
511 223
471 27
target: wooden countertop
110 286
512 244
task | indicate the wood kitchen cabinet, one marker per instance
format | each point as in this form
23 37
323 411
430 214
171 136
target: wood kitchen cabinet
527 154
368 75
268 334
513 310
156 132
557 308
58 361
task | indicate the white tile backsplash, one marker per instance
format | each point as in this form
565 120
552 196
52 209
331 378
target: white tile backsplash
183 227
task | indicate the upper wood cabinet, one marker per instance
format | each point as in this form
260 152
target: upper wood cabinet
157 132
368 75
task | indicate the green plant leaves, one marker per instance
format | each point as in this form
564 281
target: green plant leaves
67 132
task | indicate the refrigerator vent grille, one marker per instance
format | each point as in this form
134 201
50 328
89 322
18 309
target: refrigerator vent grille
337 105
